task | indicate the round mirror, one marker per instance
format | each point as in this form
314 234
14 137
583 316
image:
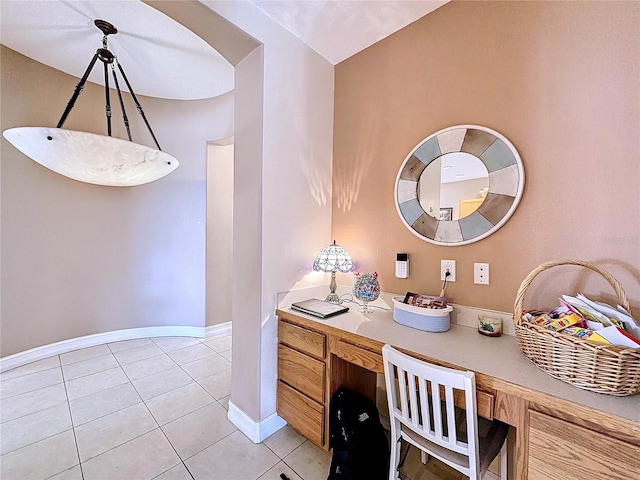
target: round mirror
459 185
453 186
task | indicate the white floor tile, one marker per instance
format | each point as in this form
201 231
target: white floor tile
204 367
233 457
117 433
179 472
177 403
163 382
279 468
127 344
99 404
309 461
88 367
73 473
284 441
169 344
218 385
190 354
220 344
224 401
136 354
33 367
108 432
198 430
84 354
148 366
96 382
34 427
143 458
31 402
30 382
42 459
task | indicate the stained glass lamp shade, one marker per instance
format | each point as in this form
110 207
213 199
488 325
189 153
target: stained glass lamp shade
89 157
333 259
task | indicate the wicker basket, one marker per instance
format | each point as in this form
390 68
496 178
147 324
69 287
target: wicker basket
600 368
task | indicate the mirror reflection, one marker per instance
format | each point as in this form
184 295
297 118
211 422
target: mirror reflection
453 186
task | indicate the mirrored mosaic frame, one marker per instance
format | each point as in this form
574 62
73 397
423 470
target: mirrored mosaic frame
506 184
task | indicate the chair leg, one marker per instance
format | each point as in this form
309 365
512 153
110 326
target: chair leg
424 457
395 458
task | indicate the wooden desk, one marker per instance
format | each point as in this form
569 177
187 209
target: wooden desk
562 432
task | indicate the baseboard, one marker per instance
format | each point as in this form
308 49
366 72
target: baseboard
217 330
255 431
45 351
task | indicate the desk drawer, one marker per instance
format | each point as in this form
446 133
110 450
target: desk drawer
302 413
485 402
360 356
301 372
306 341
561 450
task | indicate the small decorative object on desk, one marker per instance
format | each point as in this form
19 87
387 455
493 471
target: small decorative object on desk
366 289
489 326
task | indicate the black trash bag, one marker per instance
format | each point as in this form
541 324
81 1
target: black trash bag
360 446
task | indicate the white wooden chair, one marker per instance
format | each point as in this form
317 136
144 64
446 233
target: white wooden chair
433 424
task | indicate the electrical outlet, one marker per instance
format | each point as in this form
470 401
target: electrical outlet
481 273
449 265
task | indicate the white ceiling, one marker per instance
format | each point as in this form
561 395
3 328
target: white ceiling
338 29
163 59
160 57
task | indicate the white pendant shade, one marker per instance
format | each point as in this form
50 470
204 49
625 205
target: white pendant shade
92 158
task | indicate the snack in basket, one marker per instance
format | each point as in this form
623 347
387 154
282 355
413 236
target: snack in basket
555 321
425 301
574 317
586 334
565 321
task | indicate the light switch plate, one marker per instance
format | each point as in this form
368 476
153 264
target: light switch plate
481 273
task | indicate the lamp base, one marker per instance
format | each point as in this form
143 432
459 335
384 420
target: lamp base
333 298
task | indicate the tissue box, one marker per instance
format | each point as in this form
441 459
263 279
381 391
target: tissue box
427 319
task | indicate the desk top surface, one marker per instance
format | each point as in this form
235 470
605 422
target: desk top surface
498 357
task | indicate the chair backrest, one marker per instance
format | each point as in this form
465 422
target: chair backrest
414 392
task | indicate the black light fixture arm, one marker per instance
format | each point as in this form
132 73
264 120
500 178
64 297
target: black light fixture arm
107 58
138 106
107 96
77 91
125 119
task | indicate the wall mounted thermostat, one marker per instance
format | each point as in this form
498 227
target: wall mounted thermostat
402 265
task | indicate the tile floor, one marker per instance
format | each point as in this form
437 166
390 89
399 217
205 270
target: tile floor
153 408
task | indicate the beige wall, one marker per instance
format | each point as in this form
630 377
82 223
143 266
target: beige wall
219 233
80 259
561 80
